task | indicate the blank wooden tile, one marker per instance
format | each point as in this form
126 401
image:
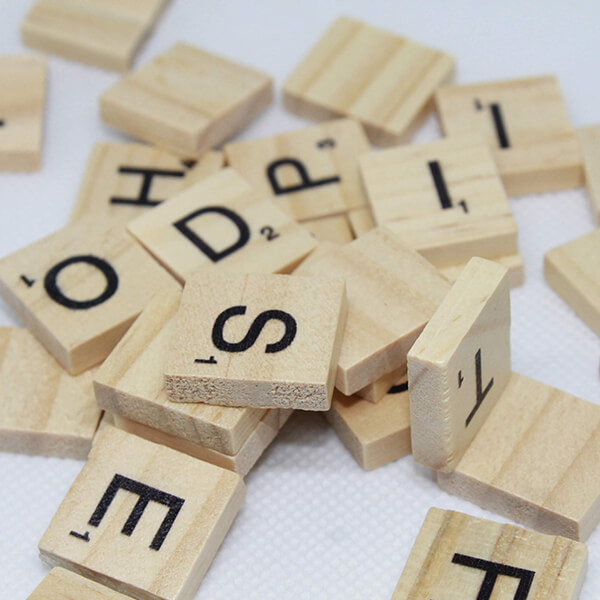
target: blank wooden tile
331 229
125 180
166 512
130 383
221 355
311 173
43 409
79 289
186 100
589 139
573 271
392 293
459 557
375 434
222 223
61 584
375 391
23 85
96 32
381 79
459 365
526 123
535 460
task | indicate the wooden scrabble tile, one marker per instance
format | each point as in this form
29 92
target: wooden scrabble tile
166 512
535 460
124 180
43 409
459 557
220 354
222 223
459 365
23 85
361 220
331 229
79 289
573 271
377 390
525 122
392 293
311 173
130 383
186 100
381 79
95 32
589 139
375 434
514 263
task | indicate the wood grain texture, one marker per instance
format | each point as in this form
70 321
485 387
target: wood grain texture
392 293
311 172
539 151
291 364
535 460
514 263
166 556
102 33
383 80
79 289
459 557
130 383
459 365
186 100
374 434
43 409
589 139
331 229
114 181
222 223
573 271
23 85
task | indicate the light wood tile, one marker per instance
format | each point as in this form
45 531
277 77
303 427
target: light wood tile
381 79
375 391
186 100
514 263
361 221
589 139
166 512
331 229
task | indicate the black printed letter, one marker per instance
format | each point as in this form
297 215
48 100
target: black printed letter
480 394
305 181
147 176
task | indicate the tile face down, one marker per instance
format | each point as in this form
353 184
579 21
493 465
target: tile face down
589 139
96 32
310 173
186 100
23 85
459 557
383 80
79 289
43 409
526 123
222 223
126 180
392 293
269 341
573 271
142 518
535 462
459 365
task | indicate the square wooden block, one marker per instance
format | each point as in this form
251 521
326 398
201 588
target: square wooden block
186 100
23 85
222 223
43 409
383 80
80 289
310 173
535 460
142 518
270 341
573 271
392 293
459 365
525 122
131 384
374 434
459 557
589 139
125 180
96 32
514 263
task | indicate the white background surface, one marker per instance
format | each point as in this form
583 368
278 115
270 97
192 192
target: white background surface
314 525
